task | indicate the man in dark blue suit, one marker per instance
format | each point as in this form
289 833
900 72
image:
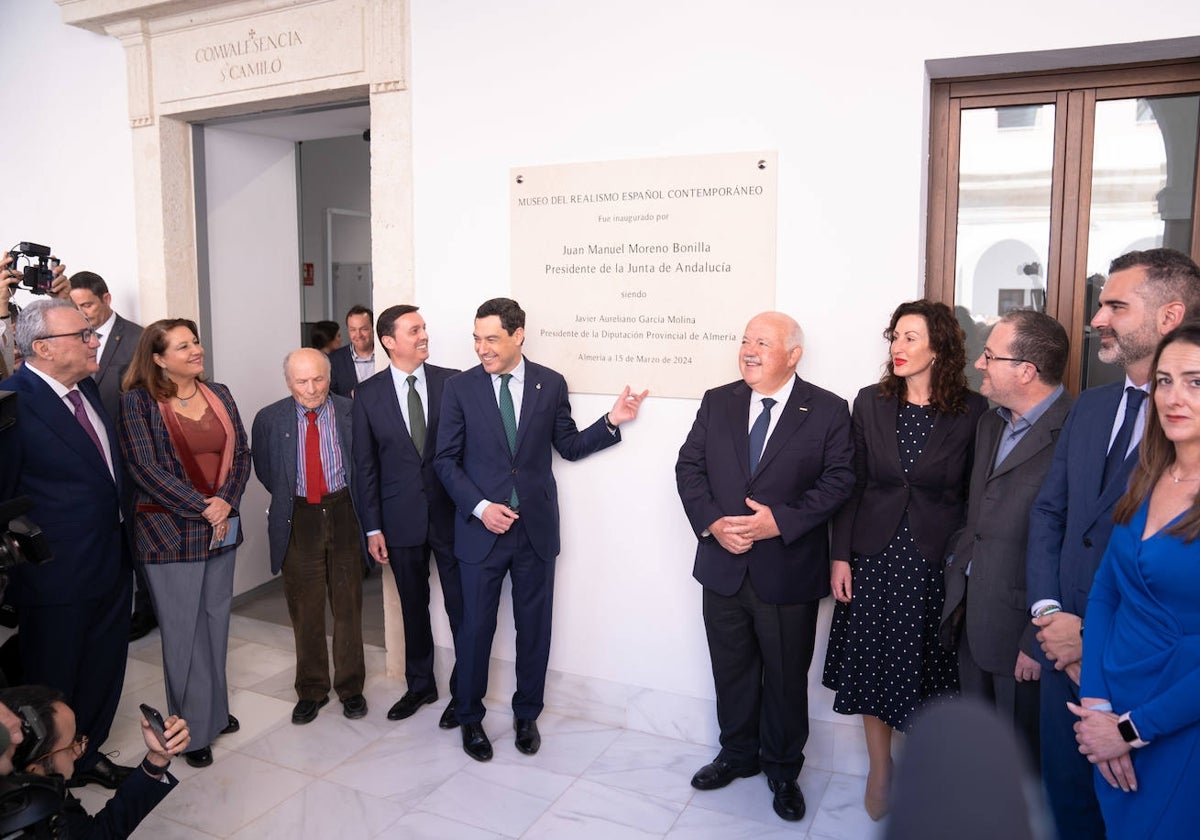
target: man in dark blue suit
1148 293
64 455
355 362
405 512
759 485
499 424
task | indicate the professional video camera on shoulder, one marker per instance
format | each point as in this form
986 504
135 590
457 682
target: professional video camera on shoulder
37 277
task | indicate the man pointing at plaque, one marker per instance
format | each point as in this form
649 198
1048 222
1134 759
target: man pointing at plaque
500 422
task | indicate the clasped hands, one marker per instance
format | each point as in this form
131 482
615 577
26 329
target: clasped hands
1061 641
737 533
1100 740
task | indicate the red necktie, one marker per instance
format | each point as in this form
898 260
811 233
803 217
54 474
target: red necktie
314 473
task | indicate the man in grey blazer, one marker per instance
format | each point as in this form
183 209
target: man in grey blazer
984 614
118 339
302 455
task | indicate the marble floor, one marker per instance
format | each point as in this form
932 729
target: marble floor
374 778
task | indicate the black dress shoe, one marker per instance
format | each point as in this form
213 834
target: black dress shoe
355 707
475 742
449 718
528 737
140 624
306 710
231 727
199 758
789 801
720 773
103 773
407 705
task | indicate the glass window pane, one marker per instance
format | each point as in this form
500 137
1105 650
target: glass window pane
1006 157
1143 189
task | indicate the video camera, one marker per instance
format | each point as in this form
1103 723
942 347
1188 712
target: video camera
37 278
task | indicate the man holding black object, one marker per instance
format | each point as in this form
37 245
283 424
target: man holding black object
500 424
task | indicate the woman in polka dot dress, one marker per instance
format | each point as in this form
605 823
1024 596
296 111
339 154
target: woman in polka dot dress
914 437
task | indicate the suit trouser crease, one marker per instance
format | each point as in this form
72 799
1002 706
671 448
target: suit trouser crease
81 649
192 601
533 603
324 563
760 657
1018 703
410 568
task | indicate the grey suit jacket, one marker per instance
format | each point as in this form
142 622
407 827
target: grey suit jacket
993 541
273 444
117 356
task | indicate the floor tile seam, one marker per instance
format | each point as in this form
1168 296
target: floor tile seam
659 799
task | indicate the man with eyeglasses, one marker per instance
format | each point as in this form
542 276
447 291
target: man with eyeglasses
63 454
52 743
984 615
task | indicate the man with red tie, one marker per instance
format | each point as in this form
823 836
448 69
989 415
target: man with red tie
64 456
301 447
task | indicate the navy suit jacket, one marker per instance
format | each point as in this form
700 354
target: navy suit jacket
1072 516
274 449
398 490
118 355
804 475
343 378
48 457
474 462
934 493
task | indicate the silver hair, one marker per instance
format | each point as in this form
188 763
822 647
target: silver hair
287 360
31 325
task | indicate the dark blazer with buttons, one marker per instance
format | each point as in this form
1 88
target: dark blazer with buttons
805 474
397 489
934 493
994 538
343 378
274 443
1071 519
118 355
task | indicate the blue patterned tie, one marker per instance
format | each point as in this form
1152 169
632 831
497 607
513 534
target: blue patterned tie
1116 455
758 433
508 416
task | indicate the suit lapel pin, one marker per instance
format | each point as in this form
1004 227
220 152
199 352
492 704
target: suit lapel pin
802 408
538 386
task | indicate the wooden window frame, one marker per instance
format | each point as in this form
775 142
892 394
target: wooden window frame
1074 94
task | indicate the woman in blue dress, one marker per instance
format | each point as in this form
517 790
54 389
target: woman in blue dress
1139 716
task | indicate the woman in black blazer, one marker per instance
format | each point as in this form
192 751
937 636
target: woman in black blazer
914 435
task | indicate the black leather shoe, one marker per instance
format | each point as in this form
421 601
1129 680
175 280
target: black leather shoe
789 801
528 737
720 773
199 758
103 773
231 727
407 705
355 707
140 624
449 718
306 710
475 742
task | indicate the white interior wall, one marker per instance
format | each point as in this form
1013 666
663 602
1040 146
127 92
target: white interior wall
255 302
840 91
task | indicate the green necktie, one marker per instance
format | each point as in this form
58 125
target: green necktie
416 415
508 416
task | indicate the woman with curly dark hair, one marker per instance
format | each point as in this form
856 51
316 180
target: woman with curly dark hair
914 436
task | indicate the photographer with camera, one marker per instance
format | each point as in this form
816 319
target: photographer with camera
51 745
11 276
63 454
11 737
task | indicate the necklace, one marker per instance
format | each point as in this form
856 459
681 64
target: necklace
1177 479
183 401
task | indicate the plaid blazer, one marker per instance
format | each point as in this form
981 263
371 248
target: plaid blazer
178 533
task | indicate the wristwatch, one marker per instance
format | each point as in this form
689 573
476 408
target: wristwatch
1129 732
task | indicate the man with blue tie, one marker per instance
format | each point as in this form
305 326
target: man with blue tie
64 455
500 422
1148 293
405 512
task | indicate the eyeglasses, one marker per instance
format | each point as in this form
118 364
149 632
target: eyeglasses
988 358
84 335
79 745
